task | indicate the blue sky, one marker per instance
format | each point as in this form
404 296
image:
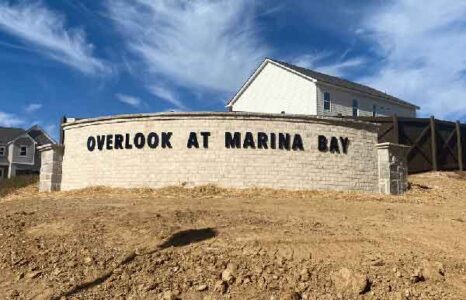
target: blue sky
89 58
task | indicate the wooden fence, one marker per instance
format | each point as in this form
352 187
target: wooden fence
435 145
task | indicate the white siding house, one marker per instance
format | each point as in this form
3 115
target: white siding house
278 87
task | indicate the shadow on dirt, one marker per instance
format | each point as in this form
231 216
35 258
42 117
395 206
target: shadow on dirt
179 239
186 237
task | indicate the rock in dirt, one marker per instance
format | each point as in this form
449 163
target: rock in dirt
228 275
433 270
291 296
304 275
221 287
350 283
88 260
202 287
168 295
33 275
417 276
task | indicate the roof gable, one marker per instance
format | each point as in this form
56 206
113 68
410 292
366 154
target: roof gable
40 136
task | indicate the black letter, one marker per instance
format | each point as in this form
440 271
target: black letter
232 142
273 141
262 139
166 139
127 143
139 140
118 141
91 143
192 140
109 142
284 141
334 145
323 143
297 143
344 144
205 142
100 142
249 141
153 140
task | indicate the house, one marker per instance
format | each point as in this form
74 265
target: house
279 87
18 154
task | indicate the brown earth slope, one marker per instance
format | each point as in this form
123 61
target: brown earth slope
210 243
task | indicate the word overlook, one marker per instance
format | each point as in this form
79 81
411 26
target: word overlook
233 140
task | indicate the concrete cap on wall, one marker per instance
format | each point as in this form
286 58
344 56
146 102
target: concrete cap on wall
222 115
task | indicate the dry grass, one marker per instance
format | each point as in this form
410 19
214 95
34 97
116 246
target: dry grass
419 185
11 186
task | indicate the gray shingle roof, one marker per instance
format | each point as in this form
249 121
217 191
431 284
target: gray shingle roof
343 83
9 134
39 135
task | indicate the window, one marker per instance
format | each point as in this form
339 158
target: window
355 108
23 151
2 151
327 101
374 110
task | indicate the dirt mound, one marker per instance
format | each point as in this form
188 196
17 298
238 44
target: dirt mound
213 243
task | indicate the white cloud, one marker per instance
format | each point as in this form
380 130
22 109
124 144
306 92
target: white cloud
422 47
33 107
318 62
164 93
130 100
44 29
309 61
10 120
341 68
204 44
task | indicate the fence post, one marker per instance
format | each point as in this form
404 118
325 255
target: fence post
396 130
460 146
433 132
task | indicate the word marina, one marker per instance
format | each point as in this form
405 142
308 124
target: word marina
233 140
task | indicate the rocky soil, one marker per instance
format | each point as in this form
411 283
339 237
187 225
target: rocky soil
211 243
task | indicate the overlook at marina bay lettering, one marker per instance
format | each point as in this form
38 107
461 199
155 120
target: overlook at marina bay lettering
232 140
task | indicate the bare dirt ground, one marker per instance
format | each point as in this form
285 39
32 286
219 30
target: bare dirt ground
211 243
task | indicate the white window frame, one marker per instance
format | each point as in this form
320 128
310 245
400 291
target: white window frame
2 151
329 102
353 106
25 152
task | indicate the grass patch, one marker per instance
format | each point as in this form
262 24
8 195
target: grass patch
8 186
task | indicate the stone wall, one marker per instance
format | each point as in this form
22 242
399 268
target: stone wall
240 168
393 168
51 168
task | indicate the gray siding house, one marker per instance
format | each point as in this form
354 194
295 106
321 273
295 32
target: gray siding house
18 150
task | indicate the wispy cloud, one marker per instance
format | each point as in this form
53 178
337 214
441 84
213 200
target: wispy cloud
211 45
320 62
130 100
341 68
33 107
421 45
166 94
44 29
10 120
